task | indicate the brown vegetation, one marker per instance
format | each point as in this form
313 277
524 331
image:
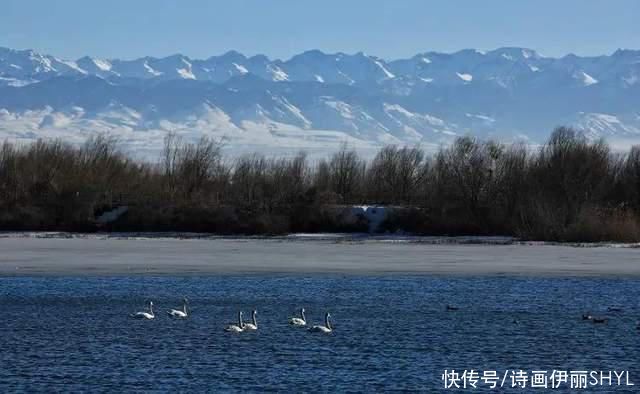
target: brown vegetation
568 190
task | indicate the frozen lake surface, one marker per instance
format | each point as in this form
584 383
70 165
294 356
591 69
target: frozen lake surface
102 255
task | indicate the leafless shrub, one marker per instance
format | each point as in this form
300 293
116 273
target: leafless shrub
571 189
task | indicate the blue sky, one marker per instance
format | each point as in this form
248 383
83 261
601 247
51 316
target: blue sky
280 28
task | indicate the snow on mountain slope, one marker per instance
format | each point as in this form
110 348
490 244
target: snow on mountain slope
144 138
598 125
416 126
465 77
98 67
315 65
586 79
319 99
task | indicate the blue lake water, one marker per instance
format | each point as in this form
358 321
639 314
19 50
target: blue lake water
391 332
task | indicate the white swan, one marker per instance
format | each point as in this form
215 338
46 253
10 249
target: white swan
297 321
145 315
254 323
236 328
180 314
326 329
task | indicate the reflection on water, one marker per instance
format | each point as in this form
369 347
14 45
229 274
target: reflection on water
74 334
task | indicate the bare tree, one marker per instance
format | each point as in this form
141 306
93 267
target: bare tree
571 173
188 168
347 173
464 172
395 174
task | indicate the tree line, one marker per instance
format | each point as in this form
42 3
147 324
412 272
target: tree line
569 189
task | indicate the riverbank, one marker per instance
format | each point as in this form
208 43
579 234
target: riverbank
27 254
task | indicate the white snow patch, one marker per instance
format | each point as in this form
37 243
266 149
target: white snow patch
384 70
17 83
277 73
294 110
435 121
484 118
45 62
72 65
185 73
357 120
341 107
431 120
605 118
398 108
151 70
351 81
103 65
241 69
598 125
587 79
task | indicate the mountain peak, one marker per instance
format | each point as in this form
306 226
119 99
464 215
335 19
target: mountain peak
310 54
233 56
515 53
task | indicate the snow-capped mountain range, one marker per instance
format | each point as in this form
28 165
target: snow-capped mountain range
316 101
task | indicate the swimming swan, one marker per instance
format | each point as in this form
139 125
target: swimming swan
180 314
236 328
254 324
326 329
145 315
297 321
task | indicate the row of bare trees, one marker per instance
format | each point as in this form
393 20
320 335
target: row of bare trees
569 189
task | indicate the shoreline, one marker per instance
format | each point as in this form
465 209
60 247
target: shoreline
48 254
313 237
